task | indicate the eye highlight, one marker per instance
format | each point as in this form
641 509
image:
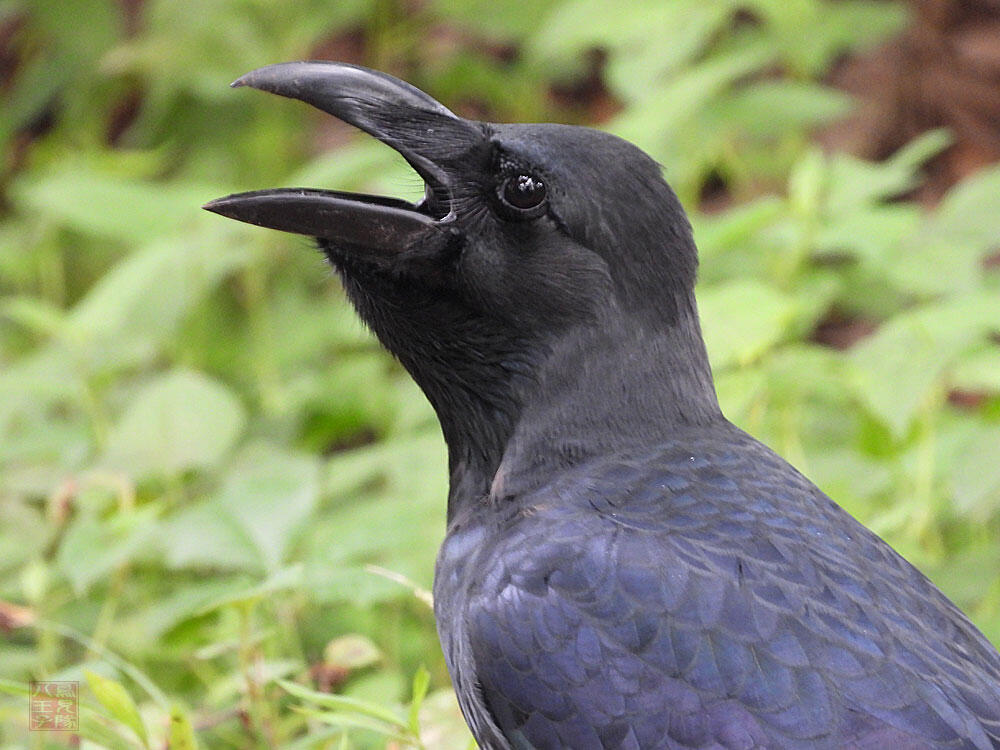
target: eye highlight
524 193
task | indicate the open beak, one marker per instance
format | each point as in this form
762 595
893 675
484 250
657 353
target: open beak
422 130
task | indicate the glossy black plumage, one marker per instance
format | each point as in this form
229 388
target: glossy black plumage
703 594
623 567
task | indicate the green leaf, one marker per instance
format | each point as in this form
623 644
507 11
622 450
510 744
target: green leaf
897 368
810 34
979 370
181 735
921 149
854 183
351 652
38 81
207 535
681 98
961 574
344 703
11 687
976 492
321 738
807 182
34 314
362 165
358 721
849 476
735 336
946 253
573 27
441 724
338 583
91 548
269 494
281 580
142 299
178 421
634 74
772 108
100 733
385 686
113 696
24 535
421 681
83 199
970 212
185 603
493 19
873 234
728 231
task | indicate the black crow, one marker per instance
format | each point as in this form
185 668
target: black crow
623 567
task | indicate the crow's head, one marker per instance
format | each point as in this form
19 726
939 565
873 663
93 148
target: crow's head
533 244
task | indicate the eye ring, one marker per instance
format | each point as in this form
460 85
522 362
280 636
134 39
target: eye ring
524 194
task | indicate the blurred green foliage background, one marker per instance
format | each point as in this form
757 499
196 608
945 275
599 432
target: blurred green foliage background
220 501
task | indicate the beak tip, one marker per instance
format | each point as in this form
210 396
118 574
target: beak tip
214 206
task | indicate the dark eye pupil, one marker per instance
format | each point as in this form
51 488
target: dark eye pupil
524 191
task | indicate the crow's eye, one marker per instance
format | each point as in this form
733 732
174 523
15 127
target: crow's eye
524 193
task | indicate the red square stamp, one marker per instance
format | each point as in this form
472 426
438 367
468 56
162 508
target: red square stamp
54 706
